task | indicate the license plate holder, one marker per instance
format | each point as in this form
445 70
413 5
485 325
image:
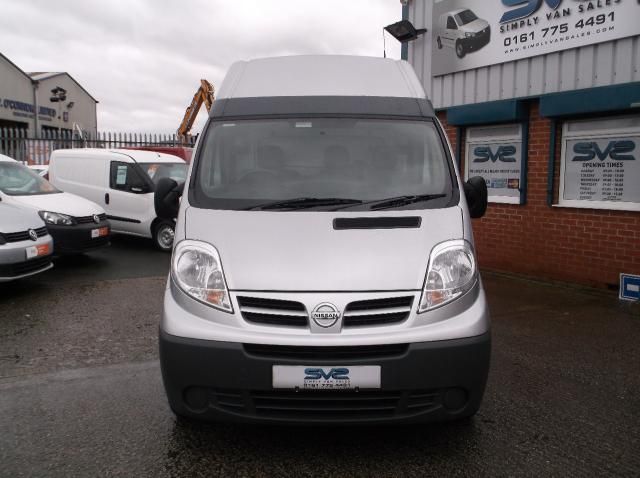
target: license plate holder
100 232
37 251
328 377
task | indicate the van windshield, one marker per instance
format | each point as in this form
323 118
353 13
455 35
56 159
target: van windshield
157 171
18 180
465 16
321 163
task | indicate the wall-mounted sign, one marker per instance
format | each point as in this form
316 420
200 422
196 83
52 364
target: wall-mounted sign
496 153
601 164
25 110
475 33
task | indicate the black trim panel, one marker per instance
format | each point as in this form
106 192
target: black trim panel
411 222
123 219
322 105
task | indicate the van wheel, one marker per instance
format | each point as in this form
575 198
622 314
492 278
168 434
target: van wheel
439 42
460 49
163 235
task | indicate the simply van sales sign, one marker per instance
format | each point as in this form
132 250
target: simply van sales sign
475 33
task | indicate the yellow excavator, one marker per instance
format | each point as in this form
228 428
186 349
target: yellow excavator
205 94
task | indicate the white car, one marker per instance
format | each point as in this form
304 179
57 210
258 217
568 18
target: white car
122 181
76 224
25 245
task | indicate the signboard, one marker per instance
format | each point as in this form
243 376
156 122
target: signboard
601 164
629 287
495 153
475 33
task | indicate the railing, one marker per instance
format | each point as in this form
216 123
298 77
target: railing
18 144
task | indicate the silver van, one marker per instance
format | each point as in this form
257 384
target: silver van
463 31
323 269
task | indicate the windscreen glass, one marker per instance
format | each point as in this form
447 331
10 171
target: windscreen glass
466 16
157 171
18 180
249 163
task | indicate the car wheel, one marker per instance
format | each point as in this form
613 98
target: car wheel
459 49
163 235
439 42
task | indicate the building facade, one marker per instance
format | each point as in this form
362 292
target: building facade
542 99
22 95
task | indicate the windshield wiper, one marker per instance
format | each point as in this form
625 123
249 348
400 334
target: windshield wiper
395 201
302 203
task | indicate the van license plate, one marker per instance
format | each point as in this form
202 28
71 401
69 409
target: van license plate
37 251
328 377
100 232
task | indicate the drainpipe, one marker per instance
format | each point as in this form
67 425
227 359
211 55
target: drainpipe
404 48
34 84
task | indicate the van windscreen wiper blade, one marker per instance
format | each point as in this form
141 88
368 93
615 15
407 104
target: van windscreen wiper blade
396 201
302 203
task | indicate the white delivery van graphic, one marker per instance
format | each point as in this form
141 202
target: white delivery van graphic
462 30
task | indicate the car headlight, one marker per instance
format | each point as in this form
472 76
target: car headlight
56 218
469 34
197 270
451 273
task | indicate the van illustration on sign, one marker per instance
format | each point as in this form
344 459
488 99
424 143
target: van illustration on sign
462 30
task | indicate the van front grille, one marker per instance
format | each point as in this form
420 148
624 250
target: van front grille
327 353
260 310
325 405
365 313
89 219
23 235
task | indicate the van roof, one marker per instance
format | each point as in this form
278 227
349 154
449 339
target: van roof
138 156
321 75
455 12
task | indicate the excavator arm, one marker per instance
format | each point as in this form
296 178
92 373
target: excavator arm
205 94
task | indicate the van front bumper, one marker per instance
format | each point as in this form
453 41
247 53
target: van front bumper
420 382
77 239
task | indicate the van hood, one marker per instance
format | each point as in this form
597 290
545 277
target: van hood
17 219
475 26
301 251
64 203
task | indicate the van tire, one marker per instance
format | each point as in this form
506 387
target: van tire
163 234
460 49
439 42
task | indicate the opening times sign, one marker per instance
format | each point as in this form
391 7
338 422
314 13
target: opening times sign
476 33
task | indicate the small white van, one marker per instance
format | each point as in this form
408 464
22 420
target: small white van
463 31
76 224
122 181
323 269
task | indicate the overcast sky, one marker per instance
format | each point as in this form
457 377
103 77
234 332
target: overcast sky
143 59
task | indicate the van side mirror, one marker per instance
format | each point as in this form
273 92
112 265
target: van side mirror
475 190
166 198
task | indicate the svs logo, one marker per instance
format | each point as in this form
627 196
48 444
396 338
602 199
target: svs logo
615 150
529 7
319 373
506 154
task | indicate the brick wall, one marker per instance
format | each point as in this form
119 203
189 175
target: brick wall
586 246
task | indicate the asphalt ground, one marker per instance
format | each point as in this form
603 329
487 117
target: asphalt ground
81 392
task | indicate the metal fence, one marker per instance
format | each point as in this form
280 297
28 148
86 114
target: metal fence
19 144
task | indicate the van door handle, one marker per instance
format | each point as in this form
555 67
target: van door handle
106 198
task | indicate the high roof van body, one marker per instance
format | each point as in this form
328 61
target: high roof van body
323 269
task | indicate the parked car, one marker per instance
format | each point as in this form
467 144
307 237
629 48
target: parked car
76 224
462 30
324 268
122 181
41 169
25 245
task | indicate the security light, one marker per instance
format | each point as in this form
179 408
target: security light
404 31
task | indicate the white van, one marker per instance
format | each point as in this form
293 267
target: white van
25 245
76 224
323 269
462 30
122 181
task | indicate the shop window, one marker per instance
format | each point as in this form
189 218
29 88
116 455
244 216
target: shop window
600 164
497 154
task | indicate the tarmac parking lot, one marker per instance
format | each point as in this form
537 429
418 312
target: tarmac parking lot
81 392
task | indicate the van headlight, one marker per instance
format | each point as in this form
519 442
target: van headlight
56 218
451 273
197 270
